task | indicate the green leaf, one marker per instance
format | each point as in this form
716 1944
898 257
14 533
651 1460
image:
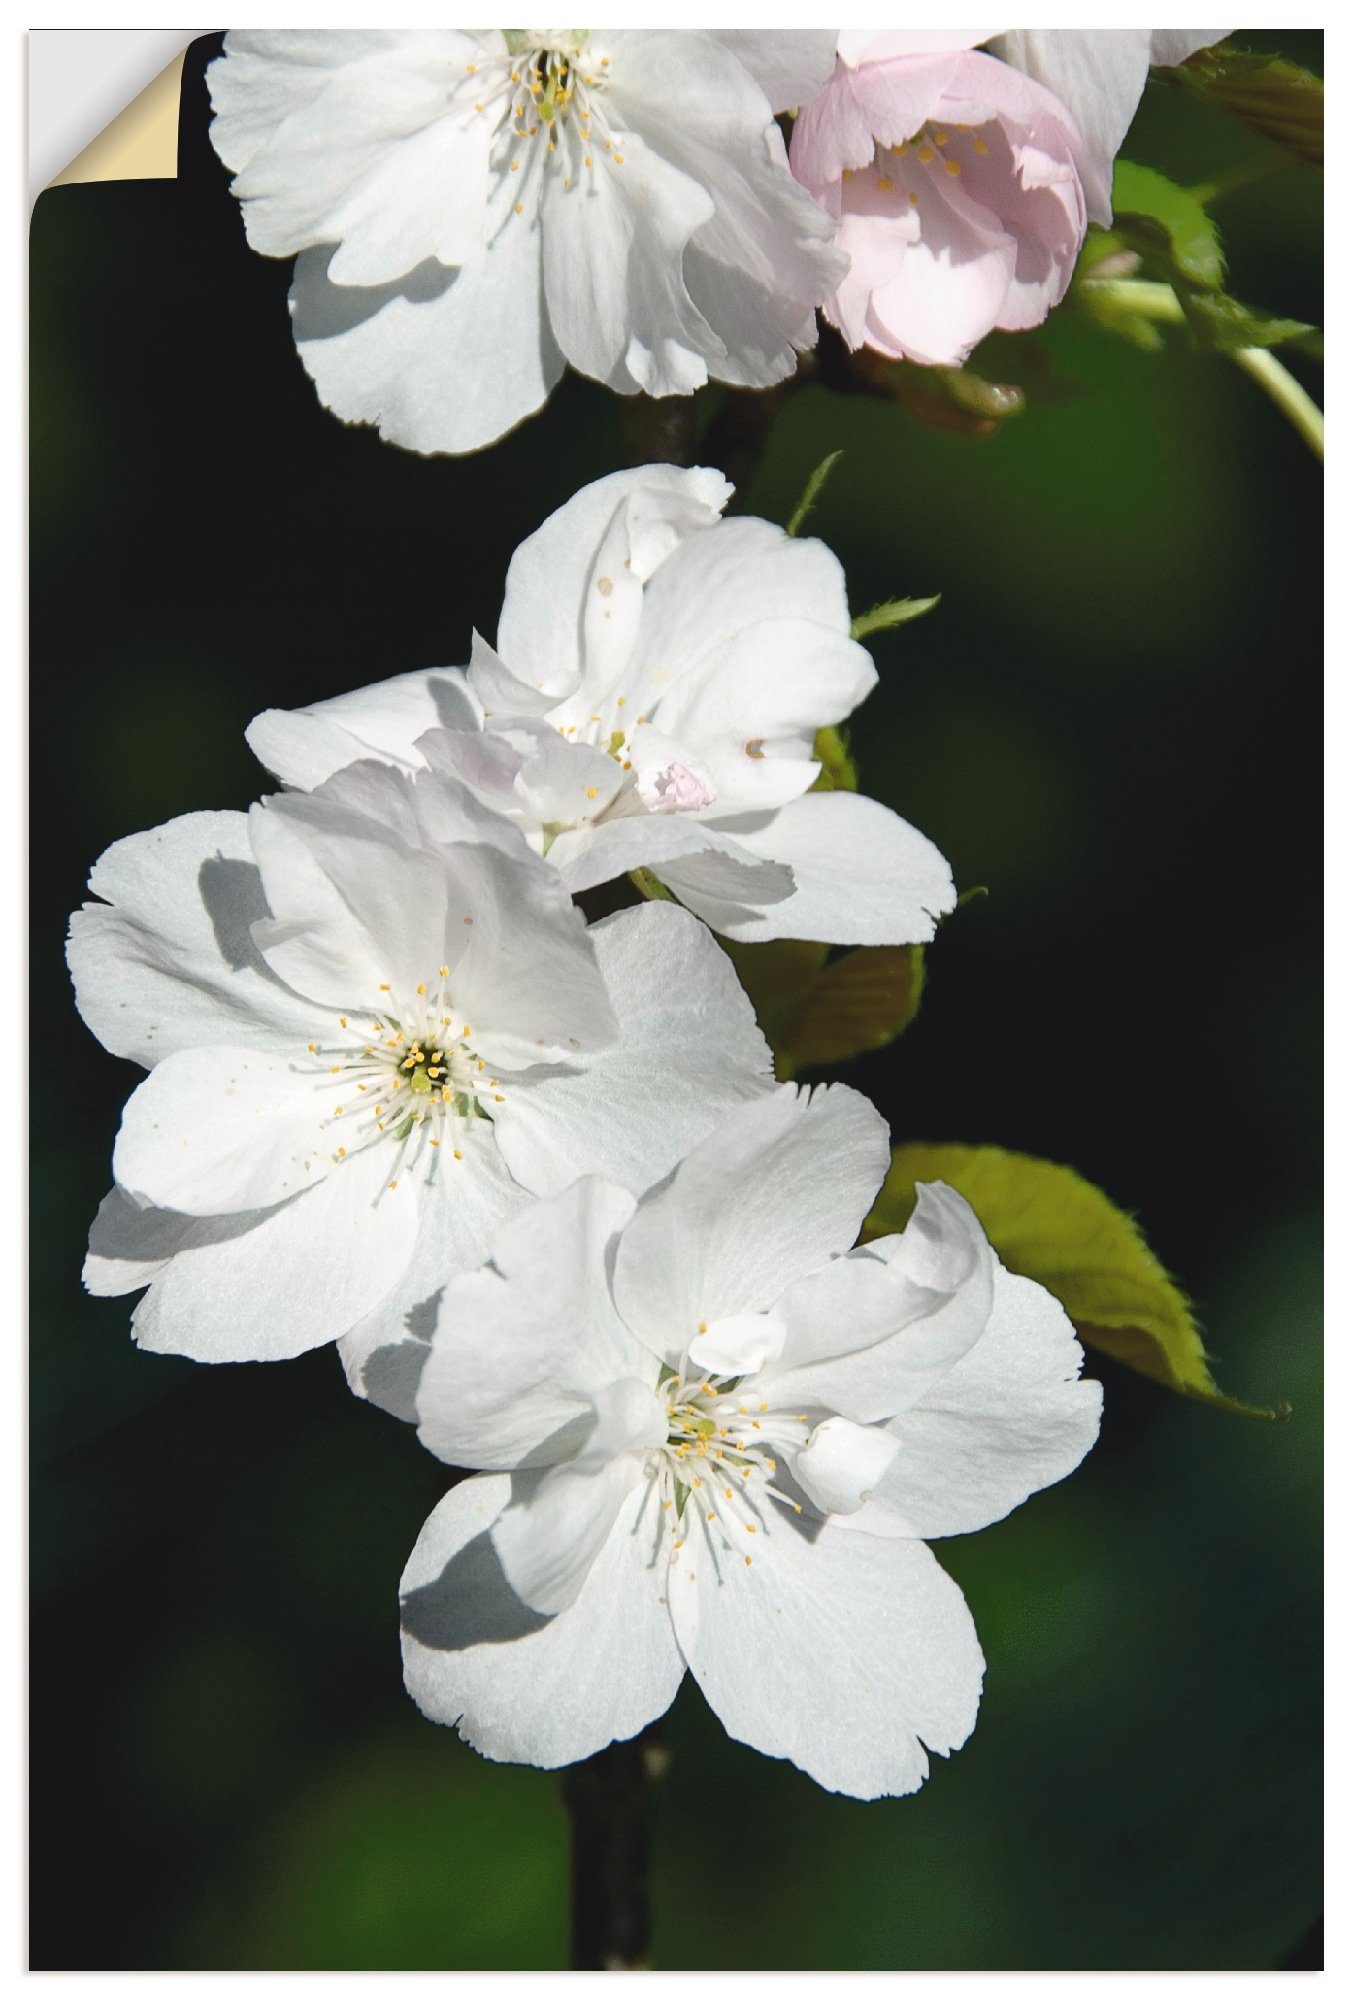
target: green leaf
774 977
816 481
815 1012
1224 323
898 611
1280 99
1153 215
831 747
1045 1222
860 1001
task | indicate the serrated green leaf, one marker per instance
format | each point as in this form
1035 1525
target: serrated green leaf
1227 325
1278 98
859 1002
1152 214
817 479
898 611
816 1012
831 747
774 976
1048 1223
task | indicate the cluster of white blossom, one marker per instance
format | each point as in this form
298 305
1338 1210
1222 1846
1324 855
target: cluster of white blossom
534 1175
473 209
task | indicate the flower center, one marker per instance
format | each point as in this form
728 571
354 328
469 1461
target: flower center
716 1471
942 150
410 1075
545 98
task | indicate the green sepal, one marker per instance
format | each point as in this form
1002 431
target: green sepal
1227 325
649 887
831 747
1278 98
1151 214
817 479
1046 1222
897 611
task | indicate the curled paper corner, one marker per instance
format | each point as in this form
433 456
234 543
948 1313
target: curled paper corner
103 104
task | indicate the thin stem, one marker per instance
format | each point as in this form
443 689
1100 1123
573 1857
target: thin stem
1262 365
657 430
610 1805
649 887
1140 297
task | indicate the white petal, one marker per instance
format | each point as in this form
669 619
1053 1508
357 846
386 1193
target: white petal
389 161
738 1344
130 1245
372 900
789 66
688 1049
301 1276
519 1687
773 1191
464 1203
529 977
719 867
548 1540
872 1333
546 597
1010 1417
739 574
763 332
215 1131
521 1349
558 782
172 964
1099 74
487 763
763 259
498 690
268 75
357 904
304 746
861 874
843 1462
846 1653
614 284
750 712
1170 46
861 45
439 361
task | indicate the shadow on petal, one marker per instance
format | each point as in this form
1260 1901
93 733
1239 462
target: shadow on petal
321 310
470 1604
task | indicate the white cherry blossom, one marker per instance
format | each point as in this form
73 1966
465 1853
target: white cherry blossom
710 1435
374 1025
473 208
658 683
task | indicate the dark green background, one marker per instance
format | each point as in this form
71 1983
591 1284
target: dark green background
1112 722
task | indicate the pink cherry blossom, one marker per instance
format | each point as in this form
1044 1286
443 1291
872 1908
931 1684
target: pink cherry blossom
953 181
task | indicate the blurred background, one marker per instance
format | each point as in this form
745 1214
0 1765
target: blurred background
1112 723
